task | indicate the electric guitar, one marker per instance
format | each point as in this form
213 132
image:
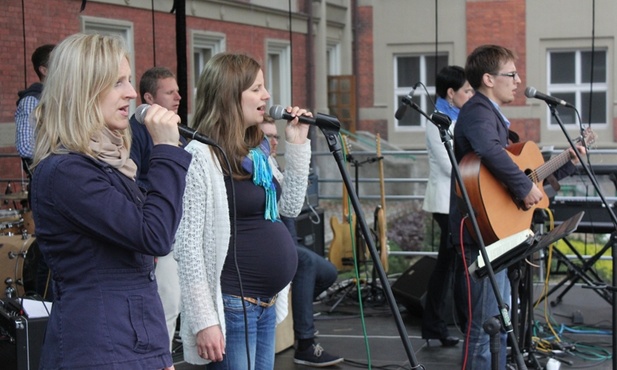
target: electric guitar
341 248
499 215
380 213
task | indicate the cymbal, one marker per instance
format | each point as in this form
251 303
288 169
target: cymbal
14 196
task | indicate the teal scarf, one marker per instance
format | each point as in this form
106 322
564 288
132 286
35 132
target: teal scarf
262 176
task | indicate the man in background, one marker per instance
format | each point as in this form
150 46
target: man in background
158 85
27 101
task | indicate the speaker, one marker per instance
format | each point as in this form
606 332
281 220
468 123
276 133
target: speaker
310 230
410 288
312 192
23 351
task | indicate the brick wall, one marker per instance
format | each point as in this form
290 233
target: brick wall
499 22
50 21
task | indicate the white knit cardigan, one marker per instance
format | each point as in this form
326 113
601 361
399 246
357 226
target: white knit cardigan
203 236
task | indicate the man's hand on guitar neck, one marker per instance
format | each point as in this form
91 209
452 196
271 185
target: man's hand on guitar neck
581 149
534 197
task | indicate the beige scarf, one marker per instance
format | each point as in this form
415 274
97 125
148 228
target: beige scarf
108 147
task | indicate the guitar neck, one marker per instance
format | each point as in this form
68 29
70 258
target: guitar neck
545 170
382 185
345 199
542 172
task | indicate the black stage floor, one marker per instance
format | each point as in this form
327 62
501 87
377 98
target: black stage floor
583 318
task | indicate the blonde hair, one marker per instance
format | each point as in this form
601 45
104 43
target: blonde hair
82 69
218 111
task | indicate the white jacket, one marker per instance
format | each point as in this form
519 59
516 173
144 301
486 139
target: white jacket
437 196
202 239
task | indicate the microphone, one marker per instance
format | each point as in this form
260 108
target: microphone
441 120
278 112
187 132
531 92
323 121
400 112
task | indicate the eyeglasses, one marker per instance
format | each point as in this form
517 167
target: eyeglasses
514 75
270 136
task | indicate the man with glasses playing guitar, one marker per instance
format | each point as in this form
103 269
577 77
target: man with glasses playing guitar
481 139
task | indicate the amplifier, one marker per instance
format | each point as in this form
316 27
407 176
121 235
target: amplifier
312 192
310 230
23 351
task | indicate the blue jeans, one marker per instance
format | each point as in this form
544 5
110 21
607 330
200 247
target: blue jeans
261 336
314 275
483 307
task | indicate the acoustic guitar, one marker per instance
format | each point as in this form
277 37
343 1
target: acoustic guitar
341 248
380 213
499 215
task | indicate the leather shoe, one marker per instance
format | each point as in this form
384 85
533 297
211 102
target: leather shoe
449 341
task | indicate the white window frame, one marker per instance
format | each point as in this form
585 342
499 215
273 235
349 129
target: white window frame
201 42
123 29
334 58
420 92
282 49
578 87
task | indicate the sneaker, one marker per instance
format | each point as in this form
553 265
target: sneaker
315 356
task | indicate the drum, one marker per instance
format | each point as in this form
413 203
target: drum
13 254
28 223
10 222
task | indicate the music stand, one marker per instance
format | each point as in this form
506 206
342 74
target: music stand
527 247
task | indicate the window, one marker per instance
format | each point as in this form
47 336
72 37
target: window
408 70
113 27
570 76
278 73
205 45
333 56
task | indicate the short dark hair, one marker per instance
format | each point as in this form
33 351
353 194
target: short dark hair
149 80
449 77
486 59
40 58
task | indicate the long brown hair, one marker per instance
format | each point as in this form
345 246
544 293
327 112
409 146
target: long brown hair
218 111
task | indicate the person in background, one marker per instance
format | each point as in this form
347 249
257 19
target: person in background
158 85
453 91
229 281
483 129
96 229
24 142
314 275
28 100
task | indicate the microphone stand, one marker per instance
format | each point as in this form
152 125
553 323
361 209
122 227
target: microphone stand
330 126
443 122
596 186
373 296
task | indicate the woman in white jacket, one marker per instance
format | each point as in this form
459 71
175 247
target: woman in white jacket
233 281
453 91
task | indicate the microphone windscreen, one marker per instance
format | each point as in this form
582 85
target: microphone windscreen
400 112
276 112
140 113
530 92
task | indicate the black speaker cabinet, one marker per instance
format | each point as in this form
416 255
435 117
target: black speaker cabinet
410 288
310 230
23 352
312 192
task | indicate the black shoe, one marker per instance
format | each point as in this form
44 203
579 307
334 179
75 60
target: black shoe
448 341
315 356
